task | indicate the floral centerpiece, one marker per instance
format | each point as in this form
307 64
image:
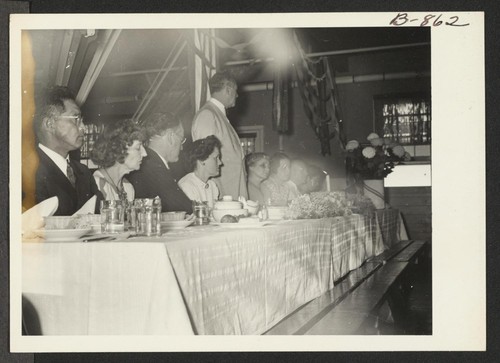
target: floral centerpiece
328 204
360 204
374 160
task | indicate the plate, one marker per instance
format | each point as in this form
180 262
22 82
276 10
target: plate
242 225
177 224
62 234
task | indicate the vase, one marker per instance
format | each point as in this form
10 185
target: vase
374 189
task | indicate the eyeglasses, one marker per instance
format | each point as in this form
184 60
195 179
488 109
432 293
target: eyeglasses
182 138
78 119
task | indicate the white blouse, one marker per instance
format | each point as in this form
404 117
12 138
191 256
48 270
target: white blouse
196 189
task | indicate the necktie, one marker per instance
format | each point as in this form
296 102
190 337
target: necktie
71 174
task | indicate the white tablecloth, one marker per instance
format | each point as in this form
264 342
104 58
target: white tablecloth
103 288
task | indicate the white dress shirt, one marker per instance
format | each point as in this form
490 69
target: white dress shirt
62 163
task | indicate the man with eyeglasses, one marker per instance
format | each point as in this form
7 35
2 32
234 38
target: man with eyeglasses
156 177
59 130
211 119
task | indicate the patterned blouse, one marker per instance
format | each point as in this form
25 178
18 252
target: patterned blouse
108 190
278 192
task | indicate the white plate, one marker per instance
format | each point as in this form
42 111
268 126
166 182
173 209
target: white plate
242 225
177 224
62 234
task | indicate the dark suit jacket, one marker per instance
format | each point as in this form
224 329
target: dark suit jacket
51 181
154 179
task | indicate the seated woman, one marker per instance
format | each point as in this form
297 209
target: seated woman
204 157
117 152
258 170
275 189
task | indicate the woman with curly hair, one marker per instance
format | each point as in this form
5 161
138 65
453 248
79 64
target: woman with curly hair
204 157
117 152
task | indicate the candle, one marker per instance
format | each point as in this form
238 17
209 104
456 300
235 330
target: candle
327 177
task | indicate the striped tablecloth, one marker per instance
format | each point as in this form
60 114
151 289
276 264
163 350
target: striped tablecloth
244 281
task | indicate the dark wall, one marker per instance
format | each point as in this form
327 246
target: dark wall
356 102
299 142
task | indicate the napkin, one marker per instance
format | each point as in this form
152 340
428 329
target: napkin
32 219
88 207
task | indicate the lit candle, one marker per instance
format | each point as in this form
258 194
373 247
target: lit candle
327 177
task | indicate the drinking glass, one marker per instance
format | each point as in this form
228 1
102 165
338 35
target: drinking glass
148 221
112 216
201 213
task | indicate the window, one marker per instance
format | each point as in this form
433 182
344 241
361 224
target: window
404 118
252 138
90 135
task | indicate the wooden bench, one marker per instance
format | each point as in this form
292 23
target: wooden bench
346 307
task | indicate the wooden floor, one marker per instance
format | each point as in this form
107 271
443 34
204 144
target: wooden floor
418 317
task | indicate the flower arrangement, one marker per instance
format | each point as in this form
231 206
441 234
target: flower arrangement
376 159
318 205
328 204
360 204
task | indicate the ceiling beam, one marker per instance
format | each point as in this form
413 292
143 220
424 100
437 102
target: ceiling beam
334 53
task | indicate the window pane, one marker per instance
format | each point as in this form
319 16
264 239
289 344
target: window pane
405 120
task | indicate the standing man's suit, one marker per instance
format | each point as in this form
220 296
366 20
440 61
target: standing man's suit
210 120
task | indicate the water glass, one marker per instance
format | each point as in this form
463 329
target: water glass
112 216
133 211
148 217
201 213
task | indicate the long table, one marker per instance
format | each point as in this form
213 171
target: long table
200 280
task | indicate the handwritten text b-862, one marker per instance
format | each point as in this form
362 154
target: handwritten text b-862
427 20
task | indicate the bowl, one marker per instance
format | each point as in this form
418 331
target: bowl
232 205
253 210
60 222
173 216
88 221
219 213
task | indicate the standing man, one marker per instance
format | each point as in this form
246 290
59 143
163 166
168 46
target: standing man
155 177
211 120
59 129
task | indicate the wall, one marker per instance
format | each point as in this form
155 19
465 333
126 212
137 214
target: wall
356 101
415 204
255 108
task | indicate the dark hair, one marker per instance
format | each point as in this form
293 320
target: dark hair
158 123
201 149
252 158
111 146
219 80
51 104
275 162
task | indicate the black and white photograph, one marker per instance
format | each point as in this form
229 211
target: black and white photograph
184 178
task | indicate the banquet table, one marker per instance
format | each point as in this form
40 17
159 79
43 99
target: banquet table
199 280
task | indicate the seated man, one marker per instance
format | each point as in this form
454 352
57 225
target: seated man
59 129
155 177
298 175
314 181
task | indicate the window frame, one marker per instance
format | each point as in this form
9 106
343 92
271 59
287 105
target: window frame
378 118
